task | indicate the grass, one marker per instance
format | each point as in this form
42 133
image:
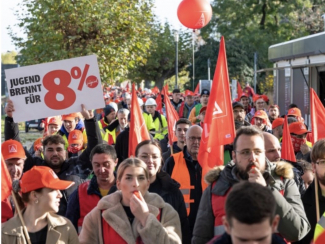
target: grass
27 139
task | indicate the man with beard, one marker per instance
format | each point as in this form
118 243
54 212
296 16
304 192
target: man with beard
274 112
309 199
249 163
260 120
238 110
72 169
186 170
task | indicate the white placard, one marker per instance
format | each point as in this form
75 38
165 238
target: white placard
287 72
56 88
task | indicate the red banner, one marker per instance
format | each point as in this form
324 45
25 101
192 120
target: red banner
172 118
138 128
317 114
6 184
218 126
287 151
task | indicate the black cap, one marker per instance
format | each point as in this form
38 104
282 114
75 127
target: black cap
205 92
237 104
108 109
176 90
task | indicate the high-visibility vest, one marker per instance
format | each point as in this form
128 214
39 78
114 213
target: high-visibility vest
320 227
182 176
110 137
86 202
161 127
111 236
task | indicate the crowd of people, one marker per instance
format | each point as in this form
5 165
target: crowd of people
77 183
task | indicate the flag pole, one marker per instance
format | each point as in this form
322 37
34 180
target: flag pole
21 217
317 199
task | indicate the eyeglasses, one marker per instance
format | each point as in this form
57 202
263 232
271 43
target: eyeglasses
246 153
193 138
321 163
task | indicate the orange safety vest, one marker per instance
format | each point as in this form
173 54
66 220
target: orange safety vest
182 176
111 236
86 202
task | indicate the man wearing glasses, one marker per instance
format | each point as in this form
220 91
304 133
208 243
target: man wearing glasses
250 164
309 198
186 170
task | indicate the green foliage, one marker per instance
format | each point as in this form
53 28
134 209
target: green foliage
239 59
160 58
9 57
117 31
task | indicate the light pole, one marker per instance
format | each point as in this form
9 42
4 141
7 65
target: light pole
176 58
193 34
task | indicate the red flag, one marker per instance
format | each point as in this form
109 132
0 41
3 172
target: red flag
172 118
6 184
155 90
317 114
196 91
287 151
138 128
159 103
127 87
239 90
218 126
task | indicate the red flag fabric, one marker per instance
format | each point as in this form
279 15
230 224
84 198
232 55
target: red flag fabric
155 90
127 87
172 118
159 104
239 90
6 184
138 128
287 151
218 126
196 91
317 114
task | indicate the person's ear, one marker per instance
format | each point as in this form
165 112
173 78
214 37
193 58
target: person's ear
275 223
116 161
118 183
226 225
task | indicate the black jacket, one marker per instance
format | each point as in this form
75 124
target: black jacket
309 202
195 171
226 239
169 191
73 208
73 169
122 146
167 154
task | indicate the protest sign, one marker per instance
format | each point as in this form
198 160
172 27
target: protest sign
56 88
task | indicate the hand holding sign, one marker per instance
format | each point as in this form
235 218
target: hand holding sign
54 88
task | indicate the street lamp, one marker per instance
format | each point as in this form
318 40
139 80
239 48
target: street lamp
176 58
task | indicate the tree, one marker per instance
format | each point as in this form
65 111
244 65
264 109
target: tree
9 57
160 59
116 31
240 62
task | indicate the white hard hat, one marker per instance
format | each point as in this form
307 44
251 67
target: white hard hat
151 102
114 105
140 101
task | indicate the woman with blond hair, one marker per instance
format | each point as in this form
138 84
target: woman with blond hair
40 188
132 214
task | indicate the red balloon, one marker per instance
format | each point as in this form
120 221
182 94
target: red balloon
194 14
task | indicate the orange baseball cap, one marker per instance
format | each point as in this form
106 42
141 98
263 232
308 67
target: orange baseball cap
75 137
189 93
298 128
41 177
70 117
294 112
12 149
260 114
56 120
264 97
38 143
244 94
277 122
